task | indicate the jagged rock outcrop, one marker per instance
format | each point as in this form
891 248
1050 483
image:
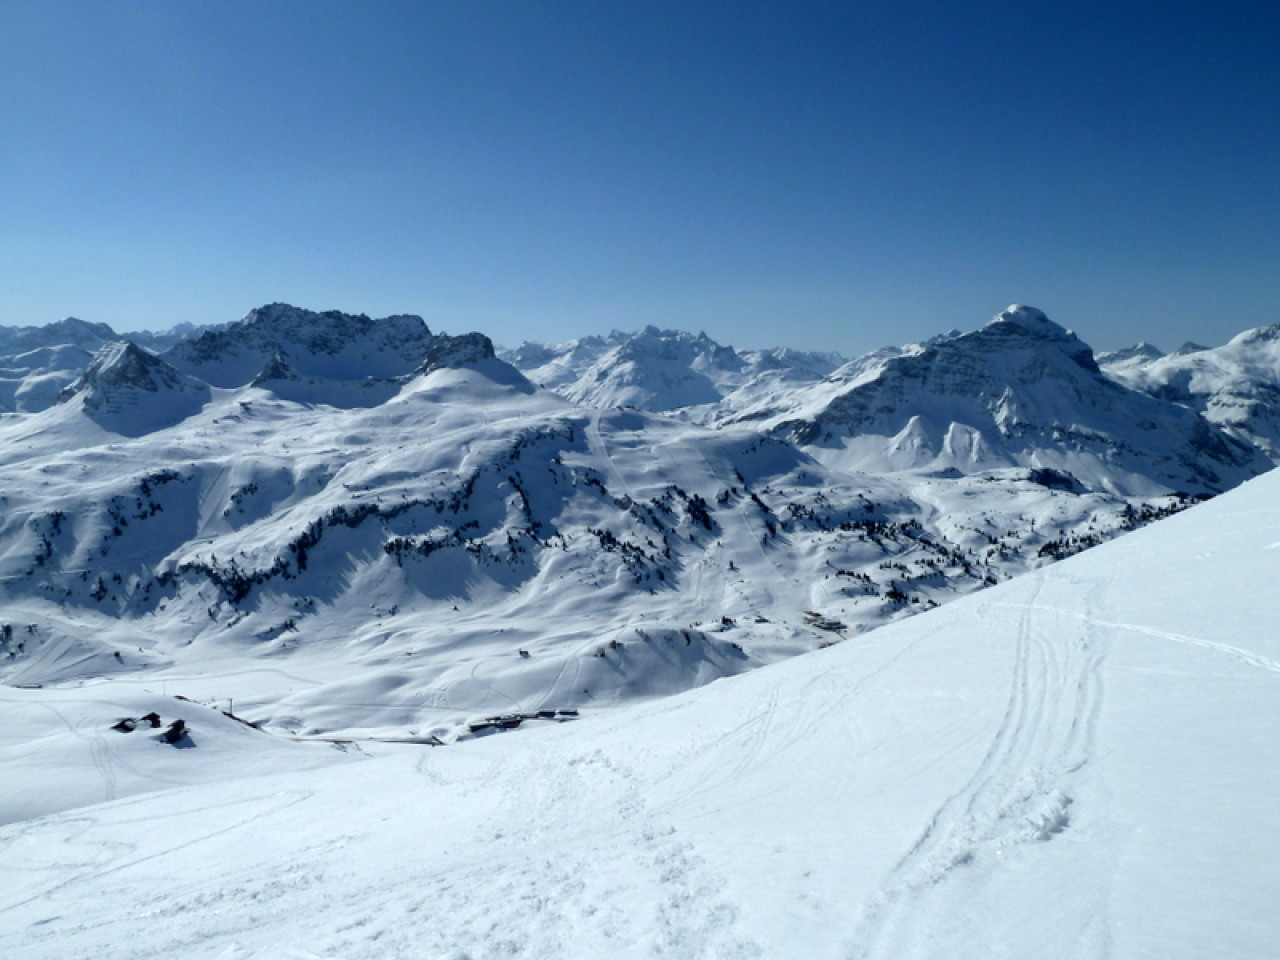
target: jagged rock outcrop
460 351
277 369
330 345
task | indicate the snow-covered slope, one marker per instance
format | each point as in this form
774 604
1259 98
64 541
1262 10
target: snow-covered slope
1235 386
1117 362
69 332
558 365
402 555
31 380
1078 763
767 399
1020 391
36 363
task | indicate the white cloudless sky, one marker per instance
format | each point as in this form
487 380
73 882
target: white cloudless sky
829 176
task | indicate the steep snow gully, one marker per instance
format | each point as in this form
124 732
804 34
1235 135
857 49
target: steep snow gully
1078 763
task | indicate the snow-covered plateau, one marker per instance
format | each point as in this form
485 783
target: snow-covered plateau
325 636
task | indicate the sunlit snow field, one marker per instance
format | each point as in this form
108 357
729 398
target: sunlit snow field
1081 762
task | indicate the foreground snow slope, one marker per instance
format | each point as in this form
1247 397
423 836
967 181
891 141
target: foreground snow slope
1078 763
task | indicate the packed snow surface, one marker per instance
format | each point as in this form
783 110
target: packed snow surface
1080 762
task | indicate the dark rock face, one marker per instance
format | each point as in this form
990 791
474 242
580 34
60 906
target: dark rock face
329 345
459 351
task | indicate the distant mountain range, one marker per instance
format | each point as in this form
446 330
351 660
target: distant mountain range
440 530
661 370
1235 386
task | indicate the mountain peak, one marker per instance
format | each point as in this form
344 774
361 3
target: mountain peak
1259 335
74 331
1030 319
1139 351
131 391
319 330
460 351
330 345
277 368
123 364
1021 320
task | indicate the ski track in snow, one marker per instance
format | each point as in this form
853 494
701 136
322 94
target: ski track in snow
1020 794
518 896
689 916
1238 653
113 857
597 446
212 496
709 599
98 752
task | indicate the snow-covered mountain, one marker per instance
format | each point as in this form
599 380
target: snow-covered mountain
392 510
399 540
558 365
1235 386
234 573
330 346
129 391
662 370
157 341
38 363
1080 762
420 544
69 332
1020 391
1135 357
30 380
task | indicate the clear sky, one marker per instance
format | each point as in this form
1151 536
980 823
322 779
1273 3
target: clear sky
828 175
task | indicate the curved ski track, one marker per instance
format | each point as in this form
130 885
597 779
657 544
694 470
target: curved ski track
1021 792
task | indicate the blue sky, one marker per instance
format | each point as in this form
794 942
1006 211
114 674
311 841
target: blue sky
821 175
